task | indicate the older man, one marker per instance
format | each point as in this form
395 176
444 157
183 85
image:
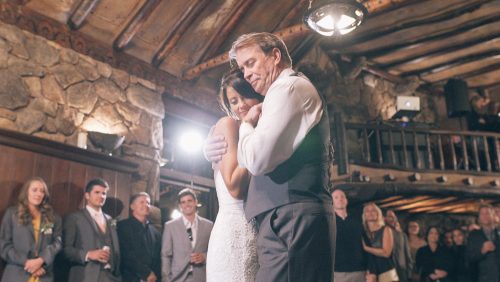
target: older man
287 155
140 243
483 247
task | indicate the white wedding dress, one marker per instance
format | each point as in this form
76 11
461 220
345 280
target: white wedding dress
232 253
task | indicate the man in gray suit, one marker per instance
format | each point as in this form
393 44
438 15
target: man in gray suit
287 153
185 242
90 239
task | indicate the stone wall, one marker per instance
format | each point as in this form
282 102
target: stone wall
55 93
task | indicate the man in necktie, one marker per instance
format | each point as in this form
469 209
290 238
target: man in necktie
185 242
90 240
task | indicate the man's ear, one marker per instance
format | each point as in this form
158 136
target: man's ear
277 56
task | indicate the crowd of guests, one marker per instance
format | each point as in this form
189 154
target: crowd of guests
96 246
373 248
376 248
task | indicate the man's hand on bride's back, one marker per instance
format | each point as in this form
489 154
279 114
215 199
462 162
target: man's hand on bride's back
214 148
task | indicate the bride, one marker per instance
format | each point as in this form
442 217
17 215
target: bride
232 253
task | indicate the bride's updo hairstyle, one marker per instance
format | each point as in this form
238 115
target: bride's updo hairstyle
234 78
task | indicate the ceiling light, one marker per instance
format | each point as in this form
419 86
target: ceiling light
334 17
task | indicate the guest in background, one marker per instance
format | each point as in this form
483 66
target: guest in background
30 235
185 242
401 255
416 242
378 243
434 261
448 239
461 267
90 239
483 246
140 243
350 258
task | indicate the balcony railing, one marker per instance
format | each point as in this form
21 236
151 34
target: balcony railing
417 149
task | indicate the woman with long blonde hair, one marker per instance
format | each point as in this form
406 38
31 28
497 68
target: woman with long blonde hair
378 243
30 235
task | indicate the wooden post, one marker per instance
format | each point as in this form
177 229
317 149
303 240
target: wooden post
405 152
429 150
415 151
391 148
475 153
465 155
379 146
487 153
341 150
368 157
441 155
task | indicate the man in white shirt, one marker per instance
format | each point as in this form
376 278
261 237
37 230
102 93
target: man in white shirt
185 242
90 239
287 154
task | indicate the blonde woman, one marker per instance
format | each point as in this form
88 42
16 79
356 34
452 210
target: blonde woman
30 235
378 243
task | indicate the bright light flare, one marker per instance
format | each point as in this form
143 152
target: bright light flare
191 141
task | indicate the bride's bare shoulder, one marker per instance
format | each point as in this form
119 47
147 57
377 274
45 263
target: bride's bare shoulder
225 123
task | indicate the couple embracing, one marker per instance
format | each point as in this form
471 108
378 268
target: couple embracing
271 163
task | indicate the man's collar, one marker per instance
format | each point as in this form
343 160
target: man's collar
93 211
187 222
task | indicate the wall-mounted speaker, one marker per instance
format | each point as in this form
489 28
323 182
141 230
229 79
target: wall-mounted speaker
457 98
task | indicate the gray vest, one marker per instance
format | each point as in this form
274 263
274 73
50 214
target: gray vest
302 178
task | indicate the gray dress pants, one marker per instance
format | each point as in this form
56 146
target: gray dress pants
296 242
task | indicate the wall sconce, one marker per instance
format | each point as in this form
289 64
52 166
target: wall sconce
334 17
106 142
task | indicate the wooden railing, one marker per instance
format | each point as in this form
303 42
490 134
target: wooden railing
418 149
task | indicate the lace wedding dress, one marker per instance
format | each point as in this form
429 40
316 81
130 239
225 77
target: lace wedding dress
232 253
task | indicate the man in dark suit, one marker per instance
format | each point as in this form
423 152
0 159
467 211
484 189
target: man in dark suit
483 247
140 243
185 243
90 239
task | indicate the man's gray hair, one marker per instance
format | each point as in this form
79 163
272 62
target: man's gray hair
267 42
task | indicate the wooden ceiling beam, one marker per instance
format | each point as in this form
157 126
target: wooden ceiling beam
405 201
291 16
434 208
131 29
81 13
415 14
469 67
426 203
288 33
195 7
390 199
421 33
442 44
485 80
427 63
213 44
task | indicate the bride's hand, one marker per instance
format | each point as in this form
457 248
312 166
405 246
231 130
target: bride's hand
253 114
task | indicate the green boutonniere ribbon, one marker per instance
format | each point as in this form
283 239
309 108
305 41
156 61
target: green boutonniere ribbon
47 228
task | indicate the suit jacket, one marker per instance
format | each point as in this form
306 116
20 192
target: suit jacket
140 248
488 265
17 244
81 234
176 250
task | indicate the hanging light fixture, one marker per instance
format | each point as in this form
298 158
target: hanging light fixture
334 17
